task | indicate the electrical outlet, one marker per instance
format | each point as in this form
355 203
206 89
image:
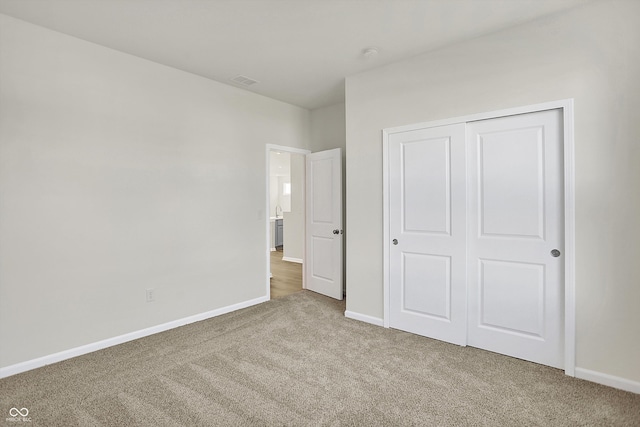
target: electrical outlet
151 295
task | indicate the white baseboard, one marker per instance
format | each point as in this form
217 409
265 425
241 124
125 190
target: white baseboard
608 380
364 318
286 258
109 342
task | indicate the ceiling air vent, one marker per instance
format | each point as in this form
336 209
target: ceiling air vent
244 80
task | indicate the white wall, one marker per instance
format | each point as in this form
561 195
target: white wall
274 195
284 200
328 131
328 128
116 175
279 174
591 54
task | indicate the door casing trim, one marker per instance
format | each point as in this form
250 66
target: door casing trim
566 105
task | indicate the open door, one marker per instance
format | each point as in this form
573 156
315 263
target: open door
324 233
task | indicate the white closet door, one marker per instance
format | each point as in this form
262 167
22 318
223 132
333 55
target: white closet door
427 232
516 291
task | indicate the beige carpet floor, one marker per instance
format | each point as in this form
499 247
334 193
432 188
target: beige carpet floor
297 361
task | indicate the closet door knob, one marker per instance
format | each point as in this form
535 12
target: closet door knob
555 253
395 241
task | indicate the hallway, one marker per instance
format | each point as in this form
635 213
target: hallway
286 276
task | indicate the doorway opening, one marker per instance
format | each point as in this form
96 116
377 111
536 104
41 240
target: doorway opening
285 222
286 276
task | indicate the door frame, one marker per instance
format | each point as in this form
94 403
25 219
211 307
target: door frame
268 149
566 105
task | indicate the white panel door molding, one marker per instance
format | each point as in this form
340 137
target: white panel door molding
516 291
483 230
324 233
427 228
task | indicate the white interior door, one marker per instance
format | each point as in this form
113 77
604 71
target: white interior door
516 290
427 229
324 233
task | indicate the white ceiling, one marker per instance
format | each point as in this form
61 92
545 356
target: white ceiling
299 50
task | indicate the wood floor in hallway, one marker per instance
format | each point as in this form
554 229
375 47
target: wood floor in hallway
287 276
